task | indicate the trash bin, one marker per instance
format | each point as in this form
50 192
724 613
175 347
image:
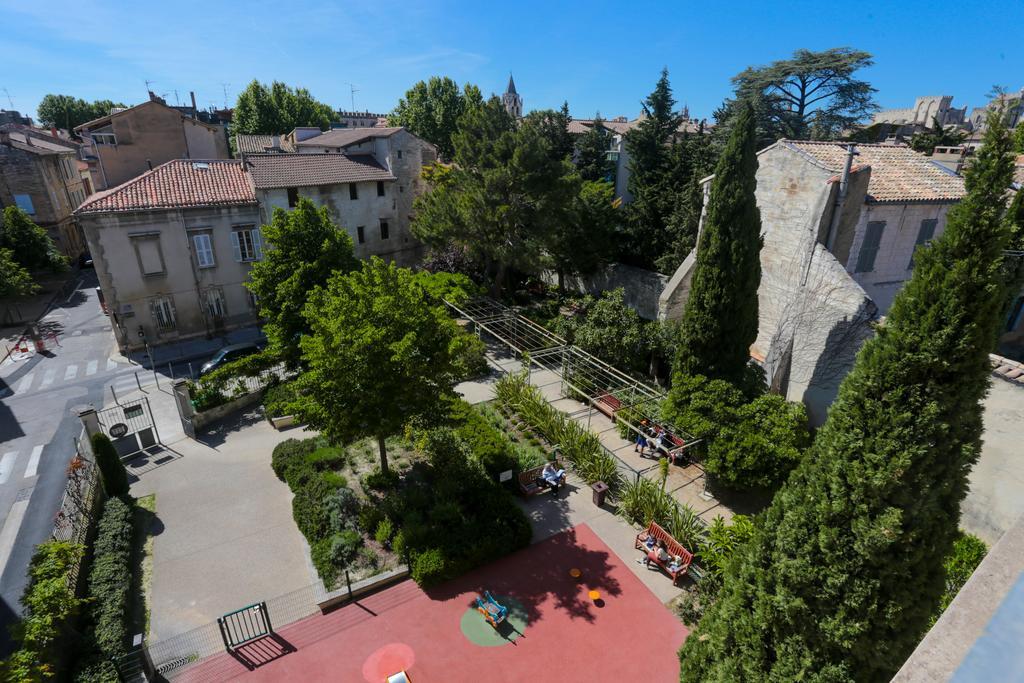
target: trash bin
600 491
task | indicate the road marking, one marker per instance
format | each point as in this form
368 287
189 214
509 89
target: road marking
70 372
111 365
74 291
48 378
33 461
91 368
7 465
10 530
25 383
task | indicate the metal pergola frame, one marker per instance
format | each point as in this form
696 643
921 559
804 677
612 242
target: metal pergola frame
582 376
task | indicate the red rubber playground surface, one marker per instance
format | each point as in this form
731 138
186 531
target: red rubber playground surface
625 635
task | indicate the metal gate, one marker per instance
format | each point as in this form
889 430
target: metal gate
130 426
244 625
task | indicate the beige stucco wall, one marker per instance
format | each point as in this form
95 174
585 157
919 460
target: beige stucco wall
128 291
205 141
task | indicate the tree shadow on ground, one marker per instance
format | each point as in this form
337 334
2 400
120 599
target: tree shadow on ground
538 574
218 432
146 525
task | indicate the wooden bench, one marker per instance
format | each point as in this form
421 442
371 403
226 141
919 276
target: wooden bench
672 546
607 404
528 484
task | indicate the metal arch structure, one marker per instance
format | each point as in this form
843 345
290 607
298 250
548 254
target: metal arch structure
583 377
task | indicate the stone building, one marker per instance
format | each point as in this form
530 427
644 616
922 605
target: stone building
359 119
131 141
840 231
512 101
923 113
172 249
40 174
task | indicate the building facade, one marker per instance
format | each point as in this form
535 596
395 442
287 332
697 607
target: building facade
839 243
512 101
39 173
129 142
172 250
924 112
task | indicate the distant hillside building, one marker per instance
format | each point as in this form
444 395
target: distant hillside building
128 142
923 113
358 119
512 101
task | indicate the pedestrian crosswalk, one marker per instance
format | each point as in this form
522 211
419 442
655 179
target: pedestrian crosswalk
51 374
12 462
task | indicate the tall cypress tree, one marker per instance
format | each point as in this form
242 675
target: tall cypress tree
720 319
841 577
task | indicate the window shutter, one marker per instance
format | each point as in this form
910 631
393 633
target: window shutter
235 247
869 248
257 241
924 235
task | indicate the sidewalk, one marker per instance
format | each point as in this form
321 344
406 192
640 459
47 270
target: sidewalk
195 349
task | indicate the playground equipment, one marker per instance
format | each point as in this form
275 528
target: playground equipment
493 612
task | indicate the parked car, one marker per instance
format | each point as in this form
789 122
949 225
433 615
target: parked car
85 260
228 354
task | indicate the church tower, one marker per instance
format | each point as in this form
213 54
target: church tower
512 101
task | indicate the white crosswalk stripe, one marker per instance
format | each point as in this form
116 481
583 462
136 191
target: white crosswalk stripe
71 372
48 378
91 368
33 462
7 465
26 383
111 365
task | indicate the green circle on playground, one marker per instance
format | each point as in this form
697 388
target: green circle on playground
479 632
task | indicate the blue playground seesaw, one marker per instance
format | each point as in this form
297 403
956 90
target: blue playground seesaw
493 612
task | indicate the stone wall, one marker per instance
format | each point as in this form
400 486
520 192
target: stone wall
642 288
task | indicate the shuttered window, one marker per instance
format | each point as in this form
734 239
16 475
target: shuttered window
150 259
204 250
924 235
247 244
869 247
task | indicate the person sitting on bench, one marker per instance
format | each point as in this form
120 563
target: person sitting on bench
553 478
661 554
675 564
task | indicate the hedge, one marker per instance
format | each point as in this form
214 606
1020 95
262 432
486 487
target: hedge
110 578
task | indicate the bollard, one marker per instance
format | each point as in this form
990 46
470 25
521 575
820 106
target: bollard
191 373
170 370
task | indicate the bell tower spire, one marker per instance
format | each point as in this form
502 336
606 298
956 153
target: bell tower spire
511 99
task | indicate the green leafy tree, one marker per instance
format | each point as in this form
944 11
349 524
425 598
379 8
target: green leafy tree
553 125
813 95
14 279
650 183
844 574
505 193
612 331
1018 138
683 225
31 246
278 109
592 152
65 111
701 406
720 319
431 109
112 470
307 249
583 241
380 353
936 136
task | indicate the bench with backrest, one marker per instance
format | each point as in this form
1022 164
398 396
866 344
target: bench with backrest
529 480
607 404
672 546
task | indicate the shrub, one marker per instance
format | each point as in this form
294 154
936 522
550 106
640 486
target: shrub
370 517
334 480
207 395
112 471
327 458
760 448
398 544
968 552
309 511
384 531
381 481
343 509
110 578
320 553
643 502
290 451
490 446
428 568
470 357
721 542
278 399
344 547
701 406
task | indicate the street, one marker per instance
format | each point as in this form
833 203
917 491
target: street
37 426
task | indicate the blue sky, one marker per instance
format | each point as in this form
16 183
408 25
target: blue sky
598 56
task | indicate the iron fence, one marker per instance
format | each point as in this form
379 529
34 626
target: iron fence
79 509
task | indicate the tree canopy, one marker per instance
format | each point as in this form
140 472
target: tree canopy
612 331
66 111
431 109
592 152
845 571
307 248
720 319
278 109
814 95
31 246
381 352
14 279
936 136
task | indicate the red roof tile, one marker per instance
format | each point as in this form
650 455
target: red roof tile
307 170
182 183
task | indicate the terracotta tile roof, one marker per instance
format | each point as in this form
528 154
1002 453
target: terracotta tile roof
307 170
898 174
345 137
255 144
182 183
37 144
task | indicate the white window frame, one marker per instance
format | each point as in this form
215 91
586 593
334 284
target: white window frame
164 315
247 244
203 243
104 139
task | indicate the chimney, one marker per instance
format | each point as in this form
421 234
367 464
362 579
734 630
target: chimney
5 137
53 132
194 110
150 164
